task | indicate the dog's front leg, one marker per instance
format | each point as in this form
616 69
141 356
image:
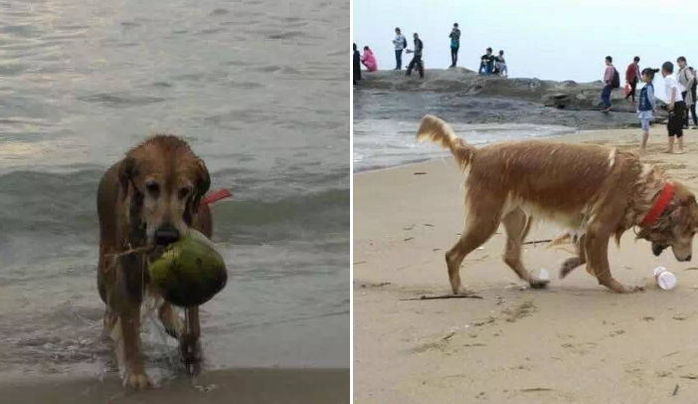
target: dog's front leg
189 345
597 260
134 369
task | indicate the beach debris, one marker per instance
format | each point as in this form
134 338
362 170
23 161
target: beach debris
534 242
676 390
679 317
420 173
665 279
206 388
448 336
375 285
691 269
408 239
360 262
535 389
690 376
428 225
462 296
648 318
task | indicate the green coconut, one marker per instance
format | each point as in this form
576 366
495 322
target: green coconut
190 271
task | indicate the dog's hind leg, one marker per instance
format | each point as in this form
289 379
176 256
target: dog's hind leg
483 220
572 263
517 225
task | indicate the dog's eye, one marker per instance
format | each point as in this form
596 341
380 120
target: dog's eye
153 189
184 192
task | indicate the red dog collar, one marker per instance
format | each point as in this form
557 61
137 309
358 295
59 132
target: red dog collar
659 205
216 196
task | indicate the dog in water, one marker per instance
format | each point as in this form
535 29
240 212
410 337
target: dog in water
148 199
593 191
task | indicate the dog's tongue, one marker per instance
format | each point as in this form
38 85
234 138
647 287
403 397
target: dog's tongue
216 196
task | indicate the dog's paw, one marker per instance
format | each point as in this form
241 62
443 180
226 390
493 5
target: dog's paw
539 283
137 380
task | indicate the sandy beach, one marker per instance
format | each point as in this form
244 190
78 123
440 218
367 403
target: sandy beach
224 386
572 342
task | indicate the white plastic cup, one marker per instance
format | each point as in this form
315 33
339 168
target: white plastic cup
665 279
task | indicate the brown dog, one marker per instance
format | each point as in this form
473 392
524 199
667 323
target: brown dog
148 199
593 191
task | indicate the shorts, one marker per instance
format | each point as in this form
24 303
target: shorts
645 119
675 124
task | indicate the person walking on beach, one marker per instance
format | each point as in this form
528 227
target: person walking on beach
646 105
486 63
357 65
400 43
501 64
687 83
675 107
632 76
369 60
611 80
455 44
417 58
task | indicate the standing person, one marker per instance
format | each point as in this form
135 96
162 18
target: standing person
687 83
675 107
417 58
610 78
369 60
455 44
400 43
646 105
632 76
487 63
501 64
357 65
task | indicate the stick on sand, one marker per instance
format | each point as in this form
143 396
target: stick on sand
423 297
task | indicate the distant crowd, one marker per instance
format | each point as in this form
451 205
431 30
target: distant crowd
679 93
489 63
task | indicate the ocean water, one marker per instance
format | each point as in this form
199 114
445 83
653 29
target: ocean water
259 88
386 123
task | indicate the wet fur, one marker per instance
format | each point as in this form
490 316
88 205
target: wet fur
123 281
593 191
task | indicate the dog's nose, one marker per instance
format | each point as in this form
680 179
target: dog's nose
166 234
689 258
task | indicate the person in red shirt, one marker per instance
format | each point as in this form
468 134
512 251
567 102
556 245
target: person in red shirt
632 76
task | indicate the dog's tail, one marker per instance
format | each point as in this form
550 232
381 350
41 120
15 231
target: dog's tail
438 131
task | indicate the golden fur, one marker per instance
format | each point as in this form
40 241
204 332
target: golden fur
593 191
149 198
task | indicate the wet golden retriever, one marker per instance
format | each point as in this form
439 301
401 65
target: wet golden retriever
147 199
593 191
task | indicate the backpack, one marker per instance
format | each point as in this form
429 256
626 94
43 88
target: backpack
615 81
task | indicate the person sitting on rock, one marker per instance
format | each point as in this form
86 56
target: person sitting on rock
501 64
487 63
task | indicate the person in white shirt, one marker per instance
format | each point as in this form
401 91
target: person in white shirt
676 107
400 43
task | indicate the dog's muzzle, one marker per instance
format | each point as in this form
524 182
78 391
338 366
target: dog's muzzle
657 249
166 234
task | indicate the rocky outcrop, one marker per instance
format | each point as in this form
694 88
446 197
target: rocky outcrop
559 94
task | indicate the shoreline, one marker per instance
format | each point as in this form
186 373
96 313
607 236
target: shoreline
247 385
579 135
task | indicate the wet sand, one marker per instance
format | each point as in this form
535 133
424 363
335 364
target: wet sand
224 386
572 342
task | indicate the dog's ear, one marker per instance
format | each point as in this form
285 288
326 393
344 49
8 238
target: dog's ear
202 183
127 170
